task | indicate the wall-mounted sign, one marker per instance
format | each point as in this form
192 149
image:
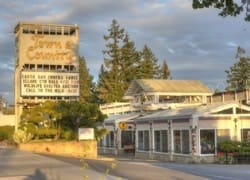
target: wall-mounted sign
123 125
86 133
43 47
49 83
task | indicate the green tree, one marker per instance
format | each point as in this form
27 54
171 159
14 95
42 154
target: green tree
238 76
77 114
227 7
86 82
50 119
112 64
148 67
104 87
165 72
40 117
129 63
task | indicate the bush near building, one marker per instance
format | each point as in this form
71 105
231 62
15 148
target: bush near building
229 151
6 133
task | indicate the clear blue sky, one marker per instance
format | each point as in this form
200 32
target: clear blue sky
197 44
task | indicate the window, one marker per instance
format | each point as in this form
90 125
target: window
110 139
245 133
143 140
127 138
181 141
185 141
66 30
161 141
100 143
207 141
72 31
177 141
39 67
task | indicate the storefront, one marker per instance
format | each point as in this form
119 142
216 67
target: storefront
191 134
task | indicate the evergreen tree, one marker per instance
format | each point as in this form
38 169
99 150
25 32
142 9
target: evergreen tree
112 65
148 67
103 87
86 82
165 72
129 63
238 76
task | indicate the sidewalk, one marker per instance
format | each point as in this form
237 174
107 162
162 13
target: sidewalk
123 157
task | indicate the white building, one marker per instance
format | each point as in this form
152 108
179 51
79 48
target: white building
175 120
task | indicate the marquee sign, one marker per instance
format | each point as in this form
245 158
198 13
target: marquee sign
49 84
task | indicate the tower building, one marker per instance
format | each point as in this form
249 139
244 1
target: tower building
46 64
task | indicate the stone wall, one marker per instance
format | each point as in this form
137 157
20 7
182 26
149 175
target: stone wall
84 149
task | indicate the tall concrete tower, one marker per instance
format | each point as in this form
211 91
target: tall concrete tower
46 64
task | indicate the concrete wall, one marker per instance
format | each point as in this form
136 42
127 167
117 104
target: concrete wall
84 149
7 120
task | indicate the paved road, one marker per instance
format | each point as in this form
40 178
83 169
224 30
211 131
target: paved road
211 171
132 169
20 165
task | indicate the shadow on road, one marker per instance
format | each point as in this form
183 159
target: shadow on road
38 175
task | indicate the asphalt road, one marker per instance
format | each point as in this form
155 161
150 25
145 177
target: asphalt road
20 165
211 171
130 169
135 169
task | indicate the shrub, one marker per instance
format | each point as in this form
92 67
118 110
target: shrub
69 134
44 133
22 136
229 146
6 132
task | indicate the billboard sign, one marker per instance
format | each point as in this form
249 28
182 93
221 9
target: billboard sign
49 83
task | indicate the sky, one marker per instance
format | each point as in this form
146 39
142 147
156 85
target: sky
196 44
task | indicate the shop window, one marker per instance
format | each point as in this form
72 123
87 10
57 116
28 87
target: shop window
161 141
207 141
143 140
245 133
181 141
110 139
185 141
177 141
127 138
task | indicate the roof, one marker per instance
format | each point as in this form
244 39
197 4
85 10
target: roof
121 117
192 111
168 86
37 24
